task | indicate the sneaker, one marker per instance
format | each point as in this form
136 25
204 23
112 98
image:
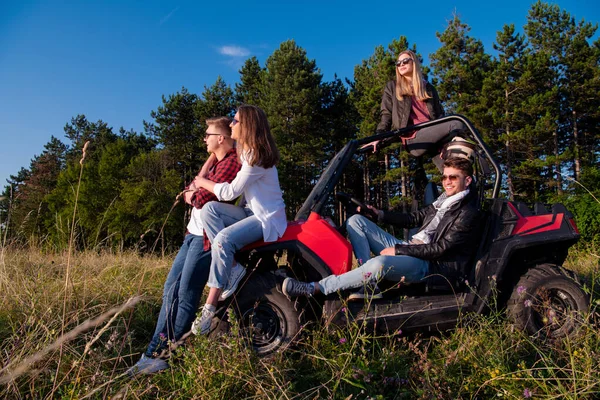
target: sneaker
369 292
236 275
146 366
294 288
201 325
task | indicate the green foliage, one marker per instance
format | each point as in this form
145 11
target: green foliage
459 68
291 95
534 101
146 197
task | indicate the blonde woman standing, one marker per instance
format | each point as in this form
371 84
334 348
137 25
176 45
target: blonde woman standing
410 100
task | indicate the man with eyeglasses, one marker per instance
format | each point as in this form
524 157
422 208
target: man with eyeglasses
190 269
444 245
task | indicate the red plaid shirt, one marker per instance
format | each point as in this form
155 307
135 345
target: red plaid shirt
224 170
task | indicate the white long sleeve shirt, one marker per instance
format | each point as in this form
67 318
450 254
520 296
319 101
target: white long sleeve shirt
261 190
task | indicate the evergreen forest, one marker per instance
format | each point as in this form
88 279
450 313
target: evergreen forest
535 98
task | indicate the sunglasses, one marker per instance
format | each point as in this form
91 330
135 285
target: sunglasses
234 122
451 178
206 135
404 61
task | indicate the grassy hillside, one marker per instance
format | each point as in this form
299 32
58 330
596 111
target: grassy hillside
44 296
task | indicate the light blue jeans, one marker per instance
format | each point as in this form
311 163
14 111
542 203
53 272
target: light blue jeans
229 228
365 236
181 294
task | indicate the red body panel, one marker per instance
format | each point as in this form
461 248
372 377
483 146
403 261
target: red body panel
322 239
536 223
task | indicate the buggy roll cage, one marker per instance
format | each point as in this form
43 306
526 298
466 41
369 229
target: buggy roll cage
318 197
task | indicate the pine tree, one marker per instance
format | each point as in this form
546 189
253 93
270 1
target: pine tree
248 90
459 67
178 130
292 93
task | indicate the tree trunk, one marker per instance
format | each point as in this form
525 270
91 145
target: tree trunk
509 181
576 149
386 201
557 164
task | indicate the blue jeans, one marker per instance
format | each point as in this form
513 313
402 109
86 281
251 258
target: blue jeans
181 294
229 228
365 237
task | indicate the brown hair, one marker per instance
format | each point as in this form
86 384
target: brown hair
415 87
221 124
256 138
461 164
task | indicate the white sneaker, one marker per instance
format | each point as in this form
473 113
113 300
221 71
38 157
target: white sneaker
236 275
201 325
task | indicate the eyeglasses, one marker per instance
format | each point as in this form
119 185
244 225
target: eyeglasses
404 61
234 122
206 135
451 178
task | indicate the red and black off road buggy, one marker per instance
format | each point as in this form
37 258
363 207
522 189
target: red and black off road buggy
517 265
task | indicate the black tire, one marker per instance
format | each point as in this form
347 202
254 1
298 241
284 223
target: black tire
548 302
268 319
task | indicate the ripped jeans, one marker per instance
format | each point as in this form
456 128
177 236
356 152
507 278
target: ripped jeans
229 228
367 237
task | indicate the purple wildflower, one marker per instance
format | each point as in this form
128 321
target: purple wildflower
399 331
342 340
343 309
527 393
521 290
527 303
367 275
162 336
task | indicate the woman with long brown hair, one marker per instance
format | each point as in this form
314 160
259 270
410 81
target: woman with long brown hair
230 227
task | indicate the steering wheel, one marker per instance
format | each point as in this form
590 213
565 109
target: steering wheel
364 210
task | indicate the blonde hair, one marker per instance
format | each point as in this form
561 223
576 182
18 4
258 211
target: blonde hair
416 87
255 137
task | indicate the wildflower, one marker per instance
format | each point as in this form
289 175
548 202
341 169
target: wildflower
399 331
527 393
527 303
342 340
521 290
162 337
343 309
367 275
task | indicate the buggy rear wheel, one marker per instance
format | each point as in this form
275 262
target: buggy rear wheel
268 319
548 302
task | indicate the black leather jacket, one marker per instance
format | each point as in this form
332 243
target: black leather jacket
454 242
395 113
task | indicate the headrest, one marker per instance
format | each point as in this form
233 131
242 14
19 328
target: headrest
460 148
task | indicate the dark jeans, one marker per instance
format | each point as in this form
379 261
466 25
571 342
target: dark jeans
428 139
181 294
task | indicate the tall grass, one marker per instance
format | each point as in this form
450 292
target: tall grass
484 357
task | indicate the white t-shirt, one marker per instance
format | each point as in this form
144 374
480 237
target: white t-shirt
195 226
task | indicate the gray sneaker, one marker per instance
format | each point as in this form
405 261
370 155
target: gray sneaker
236 275
146 366
368 291
201 325
294 288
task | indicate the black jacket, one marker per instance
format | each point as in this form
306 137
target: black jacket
395 113
454 242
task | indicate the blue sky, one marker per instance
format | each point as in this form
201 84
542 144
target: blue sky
113 60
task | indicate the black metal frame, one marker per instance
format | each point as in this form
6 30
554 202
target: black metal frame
318 197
